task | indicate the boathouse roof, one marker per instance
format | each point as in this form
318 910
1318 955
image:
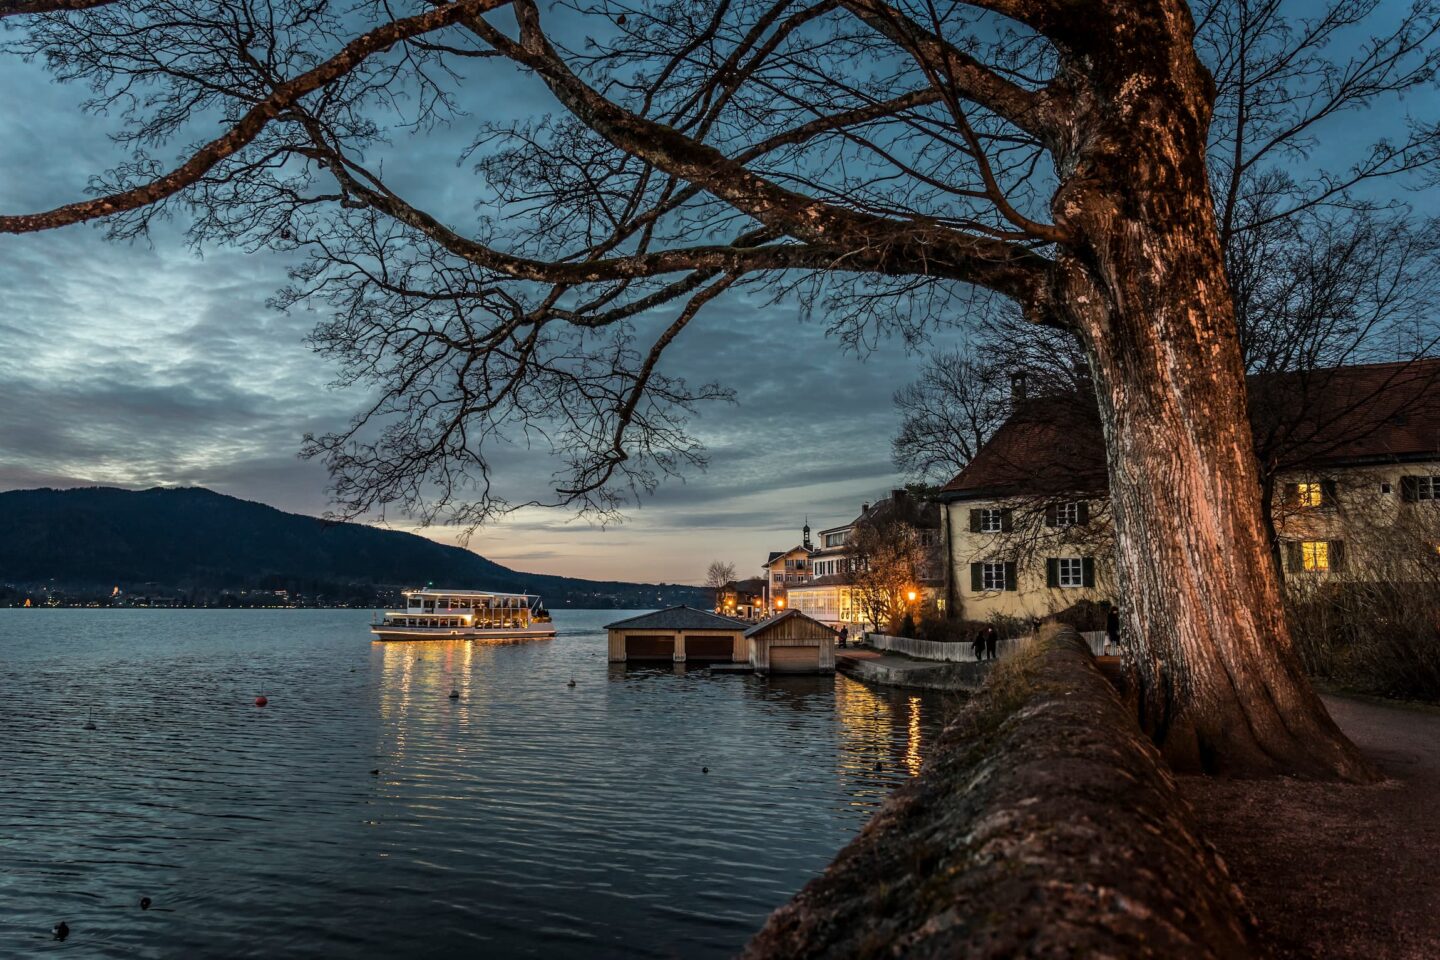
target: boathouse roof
764 625
677 618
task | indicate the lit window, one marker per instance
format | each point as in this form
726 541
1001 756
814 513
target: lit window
992 521
1309 495
1072 572
992 576
1315 554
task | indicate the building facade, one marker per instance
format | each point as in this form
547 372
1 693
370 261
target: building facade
1027 527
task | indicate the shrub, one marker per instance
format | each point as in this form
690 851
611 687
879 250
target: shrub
1381 638
1085 615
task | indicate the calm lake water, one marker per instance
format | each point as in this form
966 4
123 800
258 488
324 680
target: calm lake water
526 818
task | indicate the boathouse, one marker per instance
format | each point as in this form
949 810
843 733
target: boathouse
791 643
678 634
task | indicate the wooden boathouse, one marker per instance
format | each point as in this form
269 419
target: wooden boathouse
791 643
678 634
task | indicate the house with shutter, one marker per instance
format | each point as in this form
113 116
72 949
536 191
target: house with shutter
1350 468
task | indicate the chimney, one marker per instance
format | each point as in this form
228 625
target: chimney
898 495
1017 388
864 509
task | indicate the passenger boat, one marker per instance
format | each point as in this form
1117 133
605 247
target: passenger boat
465 615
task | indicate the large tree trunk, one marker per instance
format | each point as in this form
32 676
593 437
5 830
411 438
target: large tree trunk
1221 686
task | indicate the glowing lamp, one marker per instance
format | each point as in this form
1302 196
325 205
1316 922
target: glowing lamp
911 596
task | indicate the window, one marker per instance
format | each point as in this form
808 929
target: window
991 521
1309 494
1427 488
835 539
1071 572
992 576
1068 514
1315 555
1385 488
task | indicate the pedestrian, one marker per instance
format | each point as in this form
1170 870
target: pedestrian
844 636
1112 628
992 643
978 645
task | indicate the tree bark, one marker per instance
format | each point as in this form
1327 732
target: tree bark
1220 684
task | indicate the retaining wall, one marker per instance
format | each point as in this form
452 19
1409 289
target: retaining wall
1044 824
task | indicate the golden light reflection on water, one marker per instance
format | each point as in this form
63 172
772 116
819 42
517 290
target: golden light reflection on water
415 678
913 739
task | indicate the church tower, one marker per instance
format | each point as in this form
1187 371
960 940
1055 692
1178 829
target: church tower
806 541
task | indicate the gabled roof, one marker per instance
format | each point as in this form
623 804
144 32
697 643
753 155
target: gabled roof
767 624
1371 413
678 618
777 554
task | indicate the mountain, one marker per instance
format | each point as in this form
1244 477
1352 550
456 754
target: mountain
198 541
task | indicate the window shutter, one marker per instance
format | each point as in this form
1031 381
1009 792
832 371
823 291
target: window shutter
1292 494
1010 577
1410 488
1087 571
1293 556
1337 554
1052 518
1007 522
1083 512
1327 493
974 521
1052 572
975 575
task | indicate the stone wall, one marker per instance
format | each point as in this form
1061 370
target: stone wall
1043 825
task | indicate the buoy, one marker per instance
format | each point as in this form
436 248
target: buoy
89 724
704 769
90 718
144 903
260 701
571 683
375 772
454 694
61 930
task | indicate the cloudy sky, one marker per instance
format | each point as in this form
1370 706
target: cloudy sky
151 364
148 364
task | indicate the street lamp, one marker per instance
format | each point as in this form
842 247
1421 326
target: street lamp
910 596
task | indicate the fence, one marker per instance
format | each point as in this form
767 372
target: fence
956 652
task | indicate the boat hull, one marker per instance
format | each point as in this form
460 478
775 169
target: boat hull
544 631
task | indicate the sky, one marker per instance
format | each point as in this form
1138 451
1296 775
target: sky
149 364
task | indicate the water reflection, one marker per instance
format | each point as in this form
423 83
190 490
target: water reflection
652 810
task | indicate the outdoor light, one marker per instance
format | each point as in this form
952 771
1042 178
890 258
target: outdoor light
779 603
911 596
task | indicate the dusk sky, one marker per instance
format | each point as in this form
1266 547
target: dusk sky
143 365
151 364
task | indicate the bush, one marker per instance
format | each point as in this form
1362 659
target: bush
1379 638
1085 615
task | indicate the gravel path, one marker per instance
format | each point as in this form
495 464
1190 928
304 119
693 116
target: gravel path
1340 871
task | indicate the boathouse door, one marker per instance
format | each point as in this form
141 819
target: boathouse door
708 648
794 659
649 647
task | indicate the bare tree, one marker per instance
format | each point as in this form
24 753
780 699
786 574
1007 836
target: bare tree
888 565
1039 151
718 574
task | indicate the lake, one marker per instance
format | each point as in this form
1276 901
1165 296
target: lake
526 818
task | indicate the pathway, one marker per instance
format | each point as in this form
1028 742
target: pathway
1340 871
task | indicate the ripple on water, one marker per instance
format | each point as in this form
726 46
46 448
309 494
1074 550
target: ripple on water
525 817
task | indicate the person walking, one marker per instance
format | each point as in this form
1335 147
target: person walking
844 636
992 643
1112 628
978 645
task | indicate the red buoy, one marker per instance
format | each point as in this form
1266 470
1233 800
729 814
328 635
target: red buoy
261 701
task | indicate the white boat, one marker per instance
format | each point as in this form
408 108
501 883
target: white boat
465 615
